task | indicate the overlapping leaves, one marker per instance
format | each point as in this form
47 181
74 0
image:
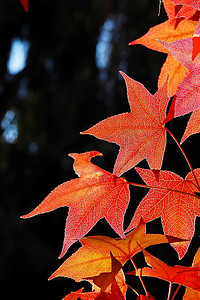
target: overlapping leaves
141 134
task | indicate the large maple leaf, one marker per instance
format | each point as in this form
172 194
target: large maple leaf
187 276
93 258
168 31
96 194
140 133
174 200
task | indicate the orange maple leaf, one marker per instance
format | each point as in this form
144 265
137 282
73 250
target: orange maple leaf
96 194
168 31
140 133
93 258
175 202
187 276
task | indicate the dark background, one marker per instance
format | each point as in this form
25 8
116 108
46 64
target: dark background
65 89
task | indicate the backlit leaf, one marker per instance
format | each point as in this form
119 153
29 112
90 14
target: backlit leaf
93 258
187 276
95 195
140 133
176 209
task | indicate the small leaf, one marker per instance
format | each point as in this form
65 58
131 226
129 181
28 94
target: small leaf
24 4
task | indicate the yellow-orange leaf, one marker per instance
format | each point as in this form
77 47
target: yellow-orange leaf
173 70
94 258
169 31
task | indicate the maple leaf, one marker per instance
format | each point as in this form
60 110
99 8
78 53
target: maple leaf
24 4
188 93
94 257
187 276
168 31
96 194
140 133
175 202
190 293
194 3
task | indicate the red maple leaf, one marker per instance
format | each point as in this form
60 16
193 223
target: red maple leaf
187 276
25 4
140 133
96 194
175 202
188 93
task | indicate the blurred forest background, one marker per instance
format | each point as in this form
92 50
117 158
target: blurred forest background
59 75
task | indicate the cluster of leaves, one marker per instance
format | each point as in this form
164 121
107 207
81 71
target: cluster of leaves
141 134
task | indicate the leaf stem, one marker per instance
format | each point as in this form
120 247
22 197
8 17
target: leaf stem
176 291
160 188
132 289
170 290
140 277
185 156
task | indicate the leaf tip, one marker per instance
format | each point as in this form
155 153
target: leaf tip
156 174
25 216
